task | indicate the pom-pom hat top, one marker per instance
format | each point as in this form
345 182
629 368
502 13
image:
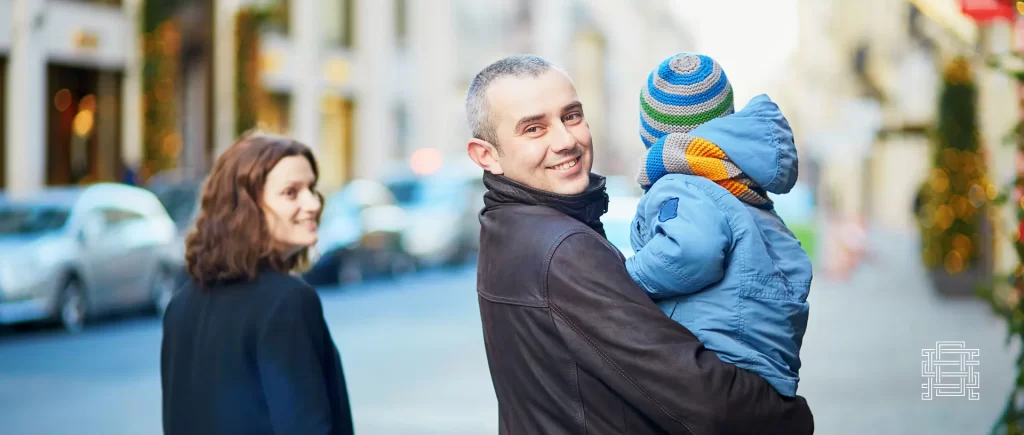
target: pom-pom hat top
685 91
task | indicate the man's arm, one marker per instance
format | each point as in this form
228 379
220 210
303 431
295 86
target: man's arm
688 239
616 333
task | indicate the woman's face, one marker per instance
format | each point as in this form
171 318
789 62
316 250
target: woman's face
291 204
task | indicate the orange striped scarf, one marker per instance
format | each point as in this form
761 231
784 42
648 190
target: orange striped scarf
681 153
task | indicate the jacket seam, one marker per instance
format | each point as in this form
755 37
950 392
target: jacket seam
716 198
557 311
546 268
582 410
775 141
544 273
625 421
510 301
578 400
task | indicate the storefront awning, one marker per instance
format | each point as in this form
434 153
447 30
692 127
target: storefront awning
947 14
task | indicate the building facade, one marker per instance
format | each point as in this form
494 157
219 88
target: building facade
366 83
369 83
66 69
866 94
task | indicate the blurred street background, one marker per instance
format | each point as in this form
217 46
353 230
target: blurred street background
906 113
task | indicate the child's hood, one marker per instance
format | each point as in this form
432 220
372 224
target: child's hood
759 140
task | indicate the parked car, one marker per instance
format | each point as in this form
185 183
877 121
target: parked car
72 253
181 199
360 236
444 228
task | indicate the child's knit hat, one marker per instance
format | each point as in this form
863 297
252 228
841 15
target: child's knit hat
686 90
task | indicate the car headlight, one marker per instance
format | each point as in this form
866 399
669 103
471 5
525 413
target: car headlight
17 272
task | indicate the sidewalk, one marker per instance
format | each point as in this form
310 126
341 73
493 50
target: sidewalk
862 354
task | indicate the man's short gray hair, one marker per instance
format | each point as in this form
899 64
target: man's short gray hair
478 112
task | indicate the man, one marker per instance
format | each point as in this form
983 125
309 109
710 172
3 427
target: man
574 345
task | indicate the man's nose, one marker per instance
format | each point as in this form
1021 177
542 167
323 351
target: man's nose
563 139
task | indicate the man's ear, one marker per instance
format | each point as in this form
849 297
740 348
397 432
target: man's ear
485 155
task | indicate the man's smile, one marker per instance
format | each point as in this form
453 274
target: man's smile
566 165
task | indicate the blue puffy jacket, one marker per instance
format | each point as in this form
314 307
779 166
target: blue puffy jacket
730 272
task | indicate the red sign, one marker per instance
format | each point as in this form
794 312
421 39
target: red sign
989 10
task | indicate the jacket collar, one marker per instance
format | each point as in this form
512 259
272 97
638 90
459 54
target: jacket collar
586 207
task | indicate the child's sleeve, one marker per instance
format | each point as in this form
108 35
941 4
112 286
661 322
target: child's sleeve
689 237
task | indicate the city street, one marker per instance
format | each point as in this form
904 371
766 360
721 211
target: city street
414 358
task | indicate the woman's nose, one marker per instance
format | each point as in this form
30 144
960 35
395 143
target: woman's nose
311 202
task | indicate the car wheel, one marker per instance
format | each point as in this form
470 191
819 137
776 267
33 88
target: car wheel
73 307
350 270
162 290
401 264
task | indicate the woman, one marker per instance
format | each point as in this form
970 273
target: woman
246 349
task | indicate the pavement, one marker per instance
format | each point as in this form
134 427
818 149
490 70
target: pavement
415 363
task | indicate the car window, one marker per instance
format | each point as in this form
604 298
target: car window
119 216
406 191
438 191
31 220
181 203
364 193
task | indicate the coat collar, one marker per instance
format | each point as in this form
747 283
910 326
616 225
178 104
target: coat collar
586 207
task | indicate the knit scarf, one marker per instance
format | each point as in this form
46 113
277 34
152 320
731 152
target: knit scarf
681 153
586 207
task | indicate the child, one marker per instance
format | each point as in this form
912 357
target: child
710 249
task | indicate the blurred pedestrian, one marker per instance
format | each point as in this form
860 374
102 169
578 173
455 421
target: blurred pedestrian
573 343
710 248
246 349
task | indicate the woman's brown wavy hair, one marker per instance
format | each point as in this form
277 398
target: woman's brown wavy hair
230 240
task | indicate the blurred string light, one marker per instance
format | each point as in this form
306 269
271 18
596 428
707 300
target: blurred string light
958 190
88 103
62 100
161 50
425 161
83 123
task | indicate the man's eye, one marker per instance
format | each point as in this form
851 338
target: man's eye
573 116
533 129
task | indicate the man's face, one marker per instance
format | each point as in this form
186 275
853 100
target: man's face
544 138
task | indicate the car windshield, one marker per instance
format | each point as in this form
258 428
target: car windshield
31 220
180 202
435 191
335 207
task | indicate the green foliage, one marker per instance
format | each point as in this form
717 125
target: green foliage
1005 295
954 199
249 93
161 49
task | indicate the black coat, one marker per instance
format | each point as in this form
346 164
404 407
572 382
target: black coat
576 347
251 358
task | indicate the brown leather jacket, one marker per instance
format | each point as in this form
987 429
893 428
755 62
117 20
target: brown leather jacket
576 347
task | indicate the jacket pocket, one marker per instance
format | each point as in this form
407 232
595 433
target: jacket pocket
774 320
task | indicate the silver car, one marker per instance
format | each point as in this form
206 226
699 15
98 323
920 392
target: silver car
69 253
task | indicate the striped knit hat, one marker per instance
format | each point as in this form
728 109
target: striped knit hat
686 90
